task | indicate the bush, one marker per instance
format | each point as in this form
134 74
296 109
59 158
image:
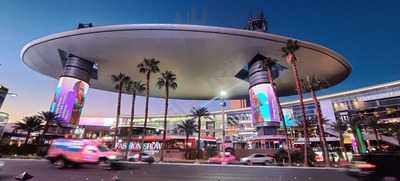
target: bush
297 156
29 149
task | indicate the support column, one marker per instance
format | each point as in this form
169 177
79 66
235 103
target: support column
263 102
72 87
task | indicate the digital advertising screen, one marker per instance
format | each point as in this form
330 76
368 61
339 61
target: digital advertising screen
289 118
69 99
95 121
263 105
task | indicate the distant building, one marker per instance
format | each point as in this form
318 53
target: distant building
3 94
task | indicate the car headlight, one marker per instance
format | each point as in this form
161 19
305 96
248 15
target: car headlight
112 157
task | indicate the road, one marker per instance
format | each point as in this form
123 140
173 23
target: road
43 171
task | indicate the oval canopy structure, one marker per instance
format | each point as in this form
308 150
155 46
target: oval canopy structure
205 59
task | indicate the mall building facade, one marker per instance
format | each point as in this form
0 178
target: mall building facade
382 100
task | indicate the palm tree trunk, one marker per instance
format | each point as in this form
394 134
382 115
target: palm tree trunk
292 60
130 125
341 143
146 112
118 114
321 128
378 145
46 127
186 144
198 138
164 145
28 135
271 80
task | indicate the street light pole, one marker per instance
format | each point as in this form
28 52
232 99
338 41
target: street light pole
223 94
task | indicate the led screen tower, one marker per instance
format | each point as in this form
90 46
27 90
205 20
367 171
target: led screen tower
264 106
72 87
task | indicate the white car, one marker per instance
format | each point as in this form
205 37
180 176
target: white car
257 158
145 158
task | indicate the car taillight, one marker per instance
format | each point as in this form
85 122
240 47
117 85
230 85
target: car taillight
365 166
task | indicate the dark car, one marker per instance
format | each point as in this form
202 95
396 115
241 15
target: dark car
376 166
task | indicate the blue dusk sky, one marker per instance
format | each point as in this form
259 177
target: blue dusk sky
365 32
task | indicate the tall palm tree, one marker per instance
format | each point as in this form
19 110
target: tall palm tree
288 52
29 124
50 118
312 84
189 127
147 67
340 127
199 113
372 123
167 81
267 65
120 80
133 88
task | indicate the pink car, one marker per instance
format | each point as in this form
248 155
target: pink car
220 158
74 152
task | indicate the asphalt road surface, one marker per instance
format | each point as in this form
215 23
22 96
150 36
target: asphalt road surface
43 171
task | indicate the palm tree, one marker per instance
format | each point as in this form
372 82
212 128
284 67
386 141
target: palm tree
50 118
147 67
29 124
167 80
189 127
267 65
340 127
120 80
372 123
288 50
199 113
133 88
312 84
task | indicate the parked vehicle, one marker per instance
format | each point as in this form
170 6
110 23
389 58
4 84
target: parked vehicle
146 157
225 158
257 158
74 152
375 166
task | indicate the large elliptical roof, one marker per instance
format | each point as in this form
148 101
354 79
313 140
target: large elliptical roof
205 59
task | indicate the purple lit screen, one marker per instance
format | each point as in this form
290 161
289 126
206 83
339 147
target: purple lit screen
69 99
263 104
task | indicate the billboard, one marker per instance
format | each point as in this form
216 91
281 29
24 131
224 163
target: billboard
69 99
289 118
263 103
96 121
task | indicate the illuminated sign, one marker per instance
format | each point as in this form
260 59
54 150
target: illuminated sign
289 118
93 121
69 99
263 104
135 146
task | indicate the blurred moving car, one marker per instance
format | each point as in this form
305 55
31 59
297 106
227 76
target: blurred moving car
1 165
74 152
257 158
146 157
224 158
375 166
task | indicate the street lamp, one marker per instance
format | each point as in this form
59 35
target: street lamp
12 94
223 94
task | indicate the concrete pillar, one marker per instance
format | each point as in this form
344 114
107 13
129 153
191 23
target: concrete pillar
72 87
